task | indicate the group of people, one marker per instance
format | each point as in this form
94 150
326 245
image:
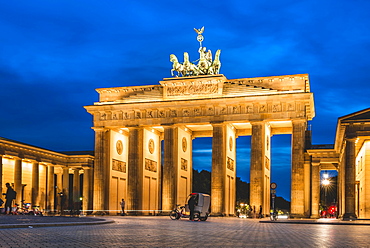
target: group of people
246 210
10 195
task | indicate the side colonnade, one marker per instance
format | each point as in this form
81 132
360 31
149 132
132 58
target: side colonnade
43 178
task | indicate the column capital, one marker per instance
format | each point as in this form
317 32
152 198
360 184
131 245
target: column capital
299 120
351 138
101 129
257 122
217 122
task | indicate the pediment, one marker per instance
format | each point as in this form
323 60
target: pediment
360 116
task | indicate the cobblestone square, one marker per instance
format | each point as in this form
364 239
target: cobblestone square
162 232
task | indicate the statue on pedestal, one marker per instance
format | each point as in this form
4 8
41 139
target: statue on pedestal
205 65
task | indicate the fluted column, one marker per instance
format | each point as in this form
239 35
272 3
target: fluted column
298 177
260 166
76 188
135 169
350 179
18 180
51 183
101 164
256 168
315 190
218 169
35 184
65 190
169 168
59 191
86 189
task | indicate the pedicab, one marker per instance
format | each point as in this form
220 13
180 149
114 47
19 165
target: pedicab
201 209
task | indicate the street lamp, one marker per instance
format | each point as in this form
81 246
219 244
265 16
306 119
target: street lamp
325 182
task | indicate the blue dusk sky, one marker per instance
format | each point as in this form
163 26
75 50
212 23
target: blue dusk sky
54 54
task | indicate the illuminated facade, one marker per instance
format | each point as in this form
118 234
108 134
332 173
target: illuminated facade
38 175
350 156
130 122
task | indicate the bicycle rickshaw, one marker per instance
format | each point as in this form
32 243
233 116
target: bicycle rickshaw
201 210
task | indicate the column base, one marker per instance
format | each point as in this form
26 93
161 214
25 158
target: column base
218 214
315 216
349 217
297 216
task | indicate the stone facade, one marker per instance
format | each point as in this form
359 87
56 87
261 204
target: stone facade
181 109
350 156
38 175
133 125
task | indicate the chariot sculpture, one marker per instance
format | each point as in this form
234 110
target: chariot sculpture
203 66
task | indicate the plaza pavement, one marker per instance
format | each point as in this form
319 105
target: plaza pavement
160 231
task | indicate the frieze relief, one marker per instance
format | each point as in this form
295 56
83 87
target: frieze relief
197 111
150 165
193 89
173 113
210 110
249 109
276 107
290 106
230 163
267 163
223 110
236 109
118 165
185 112
263 108
184 164
150 114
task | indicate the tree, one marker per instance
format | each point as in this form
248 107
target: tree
202 181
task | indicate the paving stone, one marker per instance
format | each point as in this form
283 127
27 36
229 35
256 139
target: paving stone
163 232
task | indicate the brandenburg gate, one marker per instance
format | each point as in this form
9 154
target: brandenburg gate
130 124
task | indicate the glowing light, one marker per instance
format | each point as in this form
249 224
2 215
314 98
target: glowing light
325 182
325 175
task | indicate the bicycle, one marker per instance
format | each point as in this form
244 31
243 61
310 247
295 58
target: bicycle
180 212
274 216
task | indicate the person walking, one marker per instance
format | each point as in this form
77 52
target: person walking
123 203
9 196
260 212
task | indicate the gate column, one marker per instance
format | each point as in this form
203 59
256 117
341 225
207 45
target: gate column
86 189
315 190
260 167
169 168
135 168
18 180
298 173
51 188
223 181
218 170
76 189
101 164
350 179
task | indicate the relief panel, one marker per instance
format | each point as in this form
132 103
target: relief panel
150 165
